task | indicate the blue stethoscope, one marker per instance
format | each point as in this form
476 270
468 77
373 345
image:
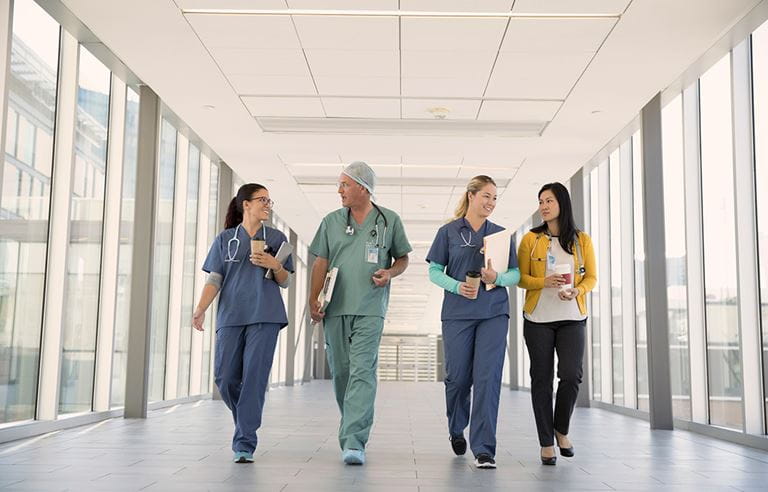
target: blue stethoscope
232 257
468 242
375 232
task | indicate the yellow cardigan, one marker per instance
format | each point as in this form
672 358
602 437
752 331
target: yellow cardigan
533 267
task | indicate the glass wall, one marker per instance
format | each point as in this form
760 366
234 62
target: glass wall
617 328
760 87
594 224
84 254
641 334
722 321
125 251
161 270
674 231
213 229
190 270
24 204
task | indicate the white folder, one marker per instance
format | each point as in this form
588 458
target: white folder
496 248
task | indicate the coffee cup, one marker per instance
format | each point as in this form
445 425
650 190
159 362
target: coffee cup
257 246
473 279
566 271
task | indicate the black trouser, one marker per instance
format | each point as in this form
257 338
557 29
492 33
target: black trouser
542 340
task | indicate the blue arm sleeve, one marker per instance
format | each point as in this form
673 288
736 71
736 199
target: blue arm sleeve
438 277
507 279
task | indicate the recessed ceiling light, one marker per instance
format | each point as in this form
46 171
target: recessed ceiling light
209 107
597 111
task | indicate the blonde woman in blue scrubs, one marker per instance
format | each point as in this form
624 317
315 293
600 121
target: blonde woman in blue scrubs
475 321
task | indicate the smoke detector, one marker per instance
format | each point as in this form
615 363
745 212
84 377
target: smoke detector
439 112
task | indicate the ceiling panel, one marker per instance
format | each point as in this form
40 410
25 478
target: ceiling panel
245 31
347 63
519 110
456 5
353 107
430 171
308 107
391 171
432 159
497 173
452 109
536 75
371 159
309 158
327 170
278 85
231 4
451 34
341 33
260 62
388 189
570 6
471 85
358 86
427 190
343 4
447 64
552 35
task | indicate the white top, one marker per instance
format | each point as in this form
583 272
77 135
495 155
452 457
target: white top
550 307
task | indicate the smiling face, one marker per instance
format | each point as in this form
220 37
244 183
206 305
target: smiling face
258 207
549 208
352 193
483 202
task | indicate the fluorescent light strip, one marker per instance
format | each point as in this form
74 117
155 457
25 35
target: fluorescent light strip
398 13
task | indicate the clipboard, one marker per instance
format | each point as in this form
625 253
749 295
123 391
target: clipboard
326 293
282 254
496 248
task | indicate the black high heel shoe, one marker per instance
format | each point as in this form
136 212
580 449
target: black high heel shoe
548 460
567 452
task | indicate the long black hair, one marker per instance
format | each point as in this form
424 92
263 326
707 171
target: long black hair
568 231
235 210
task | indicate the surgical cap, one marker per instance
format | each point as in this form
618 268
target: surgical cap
362 174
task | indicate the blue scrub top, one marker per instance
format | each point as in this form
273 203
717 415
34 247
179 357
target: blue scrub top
246 297
450 250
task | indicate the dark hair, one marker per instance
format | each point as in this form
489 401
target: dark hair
568 230
235 210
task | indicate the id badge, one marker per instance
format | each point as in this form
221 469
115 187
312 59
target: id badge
550 261
371 253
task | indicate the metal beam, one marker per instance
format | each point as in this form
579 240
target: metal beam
657 320
137 367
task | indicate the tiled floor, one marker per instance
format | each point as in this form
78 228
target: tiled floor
186 448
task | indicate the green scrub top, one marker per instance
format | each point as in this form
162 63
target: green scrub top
357 257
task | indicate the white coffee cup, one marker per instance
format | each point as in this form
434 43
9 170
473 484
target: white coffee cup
566 270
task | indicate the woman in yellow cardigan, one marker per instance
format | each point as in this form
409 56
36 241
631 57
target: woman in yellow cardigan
557 269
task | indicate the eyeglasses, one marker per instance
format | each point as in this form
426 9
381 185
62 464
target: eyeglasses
264 200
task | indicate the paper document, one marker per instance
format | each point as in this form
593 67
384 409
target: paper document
282 254
324 297
496 248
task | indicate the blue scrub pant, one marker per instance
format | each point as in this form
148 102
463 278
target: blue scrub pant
243 361
474 359
352 347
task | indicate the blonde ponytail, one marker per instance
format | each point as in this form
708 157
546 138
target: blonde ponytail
475 184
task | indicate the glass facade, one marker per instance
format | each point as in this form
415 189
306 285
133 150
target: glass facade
617 328
594 231
25 203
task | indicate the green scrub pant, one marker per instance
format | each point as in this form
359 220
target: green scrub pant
352 347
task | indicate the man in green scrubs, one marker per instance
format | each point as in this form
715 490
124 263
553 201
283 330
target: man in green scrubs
367 244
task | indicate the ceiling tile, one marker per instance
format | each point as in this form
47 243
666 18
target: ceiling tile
457 109
341 33
430 171
456 5
326 170
570 6
358 86
451 34
375 159
536 75
556 35
467 86
497 173
384 171
346 63
260 62
519 110
231 4
432 159
272 85
309 158
353 107
284 106
427 190
343 4
447 64
245 31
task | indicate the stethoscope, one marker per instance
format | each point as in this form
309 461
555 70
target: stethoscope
375 232
468 242
232 257
580 270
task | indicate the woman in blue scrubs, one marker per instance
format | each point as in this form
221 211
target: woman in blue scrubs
475 321
250 312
